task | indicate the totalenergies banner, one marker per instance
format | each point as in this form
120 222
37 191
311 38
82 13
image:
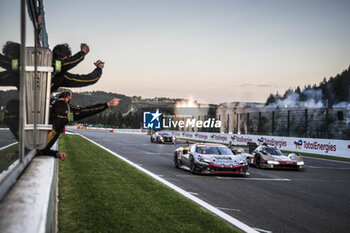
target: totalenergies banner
130 131
112 130
339 148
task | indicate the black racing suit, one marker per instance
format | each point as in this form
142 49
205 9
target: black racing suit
60 119
66 79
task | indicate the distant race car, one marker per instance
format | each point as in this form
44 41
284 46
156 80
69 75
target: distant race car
207 158
265 156
162 137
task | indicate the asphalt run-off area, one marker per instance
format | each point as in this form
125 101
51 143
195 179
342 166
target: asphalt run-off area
316 199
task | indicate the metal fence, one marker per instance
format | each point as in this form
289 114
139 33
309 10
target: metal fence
312 122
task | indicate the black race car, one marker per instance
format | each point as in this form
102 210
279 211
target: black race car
162 137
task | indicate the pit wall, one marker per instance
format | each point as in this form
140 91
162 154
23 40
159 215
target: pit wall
338 148
31 204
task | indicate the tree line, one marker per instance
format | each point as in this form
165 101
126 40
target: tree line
334 90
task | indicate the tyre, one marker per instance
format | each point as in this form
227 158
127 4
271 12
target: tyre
192 165
152 139
176 161
258 161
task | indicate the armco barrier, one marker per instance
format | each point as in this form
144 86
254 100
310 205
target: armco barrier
339 148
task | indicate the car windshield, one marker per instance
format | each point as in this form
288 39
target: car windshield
213 150
271 151
164 134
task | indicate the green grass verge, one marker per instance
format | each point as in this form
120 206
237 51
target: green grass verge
285 151
98 192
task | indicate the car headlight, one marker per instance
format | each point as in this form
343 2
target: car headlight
203 160
300 163
244 162
273 162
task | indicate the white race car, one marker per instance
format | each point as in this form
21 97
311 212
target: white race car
208 158
265 156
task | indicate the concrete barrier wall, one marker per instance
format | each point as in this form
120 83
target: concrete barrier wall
31 204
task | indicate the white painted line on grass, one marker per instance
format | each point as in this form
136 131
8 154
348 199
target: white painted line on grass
202 203
261 179
70 132
4 147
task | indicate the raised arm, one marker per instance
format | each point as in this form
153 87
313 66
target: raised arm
76 80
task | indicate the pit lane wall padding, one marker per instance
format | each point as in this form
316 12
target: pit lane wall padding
339 148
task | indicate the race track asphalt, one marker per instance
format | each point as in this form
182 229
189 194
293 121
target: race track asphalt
6 137
314 200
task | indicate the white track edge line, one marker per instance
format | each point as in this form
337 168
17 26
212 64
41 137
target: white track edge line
4 147
184 193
